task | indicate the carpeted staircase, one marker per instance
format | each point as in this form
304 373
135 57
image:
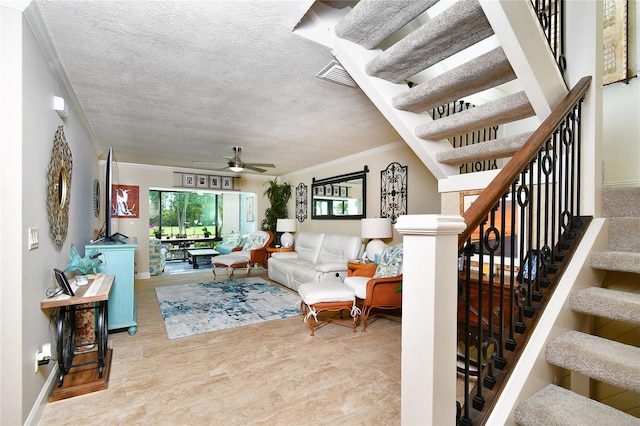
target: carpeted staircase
394 53
460 28
600 359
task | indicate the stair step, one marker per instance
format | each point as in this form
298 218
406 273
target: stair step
602 302
553 405
372 21
460 26
601 359
484 72
624 234
622 261
499 148
504 110
621 202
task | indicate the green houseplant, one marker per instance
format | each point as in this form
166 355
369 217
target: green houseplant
278 195
206 232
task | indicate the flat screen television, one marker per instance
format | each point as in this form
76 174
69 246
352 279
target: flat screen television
110 179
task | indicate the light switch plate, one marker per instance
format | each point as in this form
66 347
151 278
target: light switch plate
33 238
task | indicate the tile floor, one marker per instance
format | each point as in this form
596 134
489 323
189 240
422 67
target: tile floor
272 373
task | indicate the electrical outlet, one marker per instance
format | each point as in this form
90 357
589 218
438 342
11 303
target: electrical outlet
132 225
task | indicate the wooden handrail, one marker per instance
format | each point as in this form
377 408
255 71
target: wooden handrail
479 210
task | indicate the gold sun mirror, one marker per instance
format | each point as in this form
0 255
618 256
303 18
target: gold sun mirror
59 188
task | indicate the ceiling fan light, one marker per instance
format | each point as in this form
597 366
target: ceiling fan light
236 169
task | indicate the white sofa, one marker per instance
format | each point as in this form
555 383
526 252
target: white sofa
317 257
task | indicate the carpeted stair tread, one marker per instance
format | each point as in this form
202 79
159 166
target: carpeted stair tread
460 26
553 405
621 202
622 261
372 21
601 359
486 71
624 234
498 148
602 302
504 110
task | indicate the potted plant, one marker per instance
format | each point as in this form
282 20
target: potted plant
207 234
278 195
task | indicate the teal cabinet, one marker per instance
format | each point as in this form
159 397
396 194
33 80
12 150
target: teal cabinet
118 258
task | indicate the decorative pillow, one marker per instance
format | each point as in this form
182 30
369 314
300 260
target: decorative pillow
390 264
230 239
241 241
254 242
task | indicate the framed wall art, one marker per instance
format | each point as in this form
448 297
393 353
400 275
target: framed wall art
202 181
615 42
214 182
126 201
227 182
189 180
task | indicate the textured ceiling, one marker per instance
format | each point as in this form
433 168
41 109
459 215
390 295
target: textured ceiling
171 82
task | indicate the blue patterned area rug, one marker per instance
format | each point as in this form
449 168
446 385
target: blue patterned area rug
191 309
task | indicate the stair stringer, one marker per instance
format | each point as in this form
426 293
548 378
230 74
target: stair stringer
532 372
525 45
354 59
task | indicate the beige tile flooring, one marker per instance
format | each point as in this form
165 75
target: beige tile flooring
272 373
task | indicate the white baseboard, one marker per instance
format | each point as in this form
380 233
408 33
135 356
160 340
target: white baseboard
37 410
143 276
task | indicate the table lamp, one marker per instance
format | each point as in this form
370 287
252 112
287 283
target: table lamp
375 228
287 226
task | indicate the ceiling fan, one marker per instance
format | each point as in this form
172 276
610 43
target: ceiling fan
235 164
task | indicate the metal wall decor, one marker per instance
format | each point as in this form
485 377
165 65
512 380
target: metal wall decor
59 188
301 202
393 191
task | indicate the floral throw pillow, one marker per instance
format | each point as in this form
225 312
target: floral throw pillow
253 242
390 264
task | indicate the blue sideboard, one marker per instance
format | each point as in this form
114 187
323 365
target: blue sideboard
118 258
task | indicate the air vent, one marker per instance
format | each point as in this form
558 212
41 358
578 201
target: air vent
335 73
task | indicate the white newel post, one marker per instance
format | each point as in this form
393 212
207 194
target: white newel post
429 306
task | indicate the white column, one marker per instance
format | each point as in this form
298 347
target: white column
429 317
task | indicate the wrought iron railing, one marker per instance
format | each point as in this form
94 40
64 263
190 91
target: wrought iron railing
479 136
519 230
550 14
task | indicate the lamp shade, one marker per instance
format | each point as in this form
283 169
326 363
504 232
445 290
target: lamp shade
286 226
375 228
378 227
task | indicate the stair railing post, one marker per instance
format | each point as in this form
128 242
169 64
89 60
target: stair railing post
429 317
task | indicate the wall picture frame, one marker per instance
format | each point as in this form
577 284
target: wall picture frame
126 201
189 180
202 181
227 182
214 182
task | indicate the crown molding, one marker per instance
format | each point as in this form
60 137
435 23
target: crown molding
39 29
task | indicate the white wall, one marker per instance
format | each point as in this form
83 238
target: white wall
26 275
422 187
621 123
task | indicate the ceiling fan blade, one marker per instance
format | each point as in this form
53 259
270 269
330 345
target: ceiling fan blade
259 164
209 163
255 169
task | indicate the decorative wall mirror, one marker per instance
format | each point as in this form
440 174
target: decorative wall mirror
340 197
59 188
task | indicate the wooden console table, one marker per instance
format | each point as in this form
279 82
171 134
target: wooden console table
94 295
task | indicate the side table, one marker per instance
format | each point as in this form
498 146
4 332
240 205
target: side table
363 269
96 295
